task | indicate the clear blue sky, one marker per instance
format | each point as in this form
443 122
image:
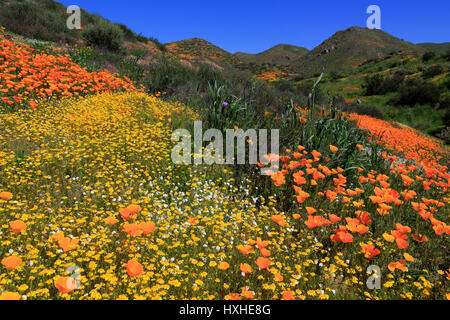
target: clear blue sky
256 25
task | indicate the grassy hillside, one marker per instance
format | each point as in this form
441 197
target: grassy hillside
282 54
349 49
183 69
95 206
438 48
46 20
194 48
399 87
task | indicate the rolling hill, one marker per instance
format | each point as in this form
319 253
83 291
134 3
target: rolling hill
438 48
194 48
350 48
282 54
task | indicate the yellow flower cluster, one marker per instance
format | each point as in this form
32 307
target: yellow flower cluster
91 207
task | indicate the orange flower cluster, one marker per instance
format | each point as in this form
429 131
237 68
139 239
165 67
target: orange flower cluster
27 75
270 75
66 243
262 262
186 56
326 197
405 140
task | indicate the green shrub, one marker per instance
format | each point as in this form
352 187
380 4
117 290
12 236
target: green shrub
428 56
141 38
334 75
445 135
21 10
446 83
127 32
444 103
405 72
87 58
417 91
378 85
372 84
447 55
104 35
432 71
53 21
130 34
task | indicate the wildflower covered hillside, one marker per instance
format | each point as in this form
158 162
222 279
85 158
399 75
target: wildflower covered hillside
28 75
92 206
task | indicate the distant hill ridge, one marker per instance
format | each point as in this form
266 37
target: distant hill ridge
282 54
344 50
438 48
349 49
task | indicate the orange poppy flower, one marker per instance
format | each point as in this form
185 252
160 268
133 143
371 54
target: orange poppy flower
245 249
401 244
65 284
333 148
134 268
293 164
278 219
261 244
302 196
264 252
343 236
68 244
441 229
278 178
363 179
7 295
288 295
235 296
272 157
33 105
245 268
401 265
408 194
6 195
17 226
403 229
11 262
298 178
317 175
419 237
316 154
57 236
132 229
247 294
223 265
147 227
408 257
110 220
331 195
130 212
369 250
263 263
334 218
